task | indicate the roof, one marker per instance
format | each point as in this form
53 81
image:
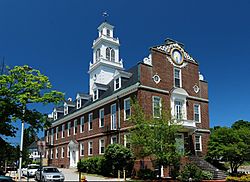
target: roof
33 145
110 89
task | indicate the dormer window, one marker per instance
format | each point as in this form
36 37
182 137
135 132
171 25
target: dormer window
95 96
117 83
78 103
65 110
108 32
55 115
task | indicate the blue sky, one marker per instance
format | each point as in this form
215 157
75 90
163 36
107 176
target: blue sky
55 36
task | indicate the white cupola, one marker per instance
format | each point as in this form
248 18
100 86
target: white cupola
105 57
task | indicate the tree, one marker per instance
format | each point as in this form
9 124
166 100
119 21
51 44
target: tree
117 157
241 124
21 87
230 145
155 137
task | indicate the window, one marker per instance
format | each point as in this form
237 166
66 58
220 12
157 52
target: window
57 133
65 110
78 104
47 137
52 136
101 118
113 117
63 126
179 140
97 54
101 146
108 32
90 151
82 149
113 139
55 115
69 128
95 95
156 107
51 153
90 121
126 140
108 54
82 124
178 106
75 126
62 152
177 77
112 55
117 83
198 143
56 153
127 111
197 113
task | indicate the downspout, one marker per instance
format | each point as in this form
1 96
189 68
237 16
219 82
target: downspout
119 120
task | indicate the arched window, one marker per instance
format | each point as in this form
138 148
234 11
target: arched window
112 55
97 54
108 54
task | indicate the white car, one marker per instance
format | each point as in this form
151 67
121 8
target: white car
49 174
30 170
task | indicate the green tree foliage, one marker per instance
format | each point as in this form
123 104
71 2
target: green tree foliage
155 137
117 157
230 145
21 87
241 124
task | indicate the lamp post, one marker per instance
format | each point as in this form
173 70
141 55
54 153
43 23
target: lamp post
21 148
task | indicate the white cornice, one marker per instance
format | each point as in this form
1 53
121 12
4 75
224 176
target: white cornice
100 103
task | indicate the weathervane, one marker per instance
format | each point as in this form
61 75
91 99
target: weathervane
105 15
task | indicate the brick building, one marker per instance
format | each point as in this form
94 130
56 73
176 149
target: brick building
83 127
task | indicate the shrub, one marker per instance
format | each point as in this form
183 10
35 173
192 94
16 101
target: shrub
244 178
194 172
93 165
146 174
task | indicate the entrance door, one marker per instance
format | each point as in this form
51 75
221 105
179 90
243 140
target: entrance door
179 139
73 154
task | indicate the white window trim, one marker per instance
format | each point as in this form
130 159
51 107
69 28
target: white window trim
180 77
112 142
51 153
89 148
68 152
69 127
124 105
47 139
81 147
184 106
62 152
199 110
75 126
200 142
52 136
100 126
56 153
102 139
90 114
57 133
111 117
120 84
126 139
66 110
55 115
153 97
63 128
79 102
82 124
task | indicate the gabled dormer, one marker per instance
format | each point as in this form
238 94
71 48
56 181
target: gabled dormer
81 99
98 90
120 77
69 105
57 112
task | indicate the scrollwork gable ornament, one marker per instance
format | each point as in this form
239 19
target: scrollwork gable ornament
148 60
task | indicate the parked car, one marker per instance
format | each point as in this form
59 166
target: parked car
30 170
49 174
6 179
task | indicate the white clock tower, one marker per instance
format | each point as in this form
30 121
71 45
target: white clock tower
105 57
